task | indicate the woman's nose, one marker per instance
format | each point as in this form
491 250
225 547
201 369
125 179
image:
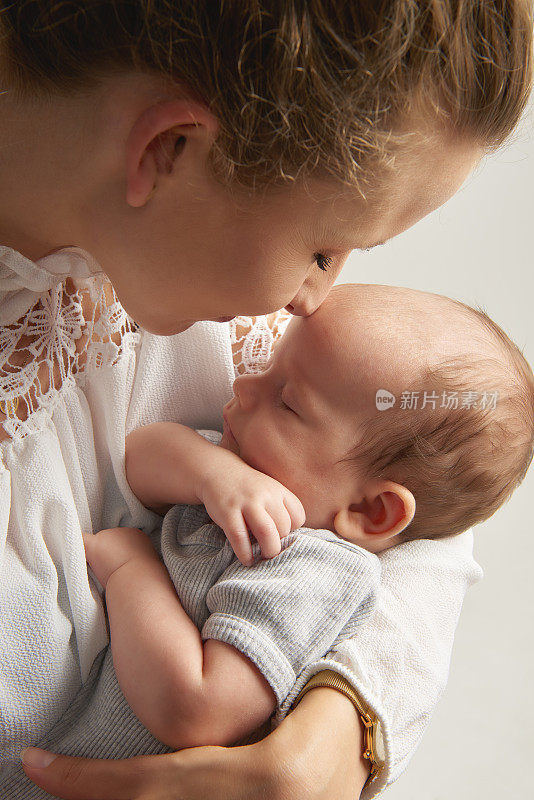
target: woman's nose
303 308
245 390
309 297
316 287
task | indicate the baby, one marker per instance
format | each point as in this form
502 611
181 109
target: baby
387 415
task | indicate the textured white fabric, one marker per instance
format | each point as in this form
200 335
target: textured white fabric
22 282
62 471
253 346
399 660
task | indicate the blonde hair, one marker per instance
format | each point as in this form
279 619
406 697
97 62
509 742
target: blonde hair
460 464
298 87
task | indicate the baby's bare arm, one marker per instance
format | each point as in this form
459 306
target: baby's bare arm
184 691
167 463
164 463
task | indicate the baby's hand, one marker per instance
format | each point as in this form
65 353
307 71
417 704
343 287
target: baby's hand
241 499
110 549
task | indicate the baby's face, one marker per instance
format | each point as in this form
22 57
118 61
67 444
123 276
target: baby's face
296 420
304 414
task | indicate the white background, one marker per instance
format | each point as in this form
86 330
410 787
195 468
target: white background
478 248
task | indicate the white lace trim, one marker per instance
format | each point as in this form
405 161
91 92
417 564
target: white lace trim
22 282
253 340
67 334
78 327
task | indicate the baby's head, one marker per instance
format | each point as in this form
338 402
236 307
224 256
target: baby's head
392 414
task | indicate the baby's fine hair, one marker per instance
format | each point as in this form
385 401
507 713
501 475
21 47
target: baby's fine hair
298 87
464 454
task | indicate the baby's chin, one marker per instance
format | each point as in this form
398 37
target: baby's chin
229 443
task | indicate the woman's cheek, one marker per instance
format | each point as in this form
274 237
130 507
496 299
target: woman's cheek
276 281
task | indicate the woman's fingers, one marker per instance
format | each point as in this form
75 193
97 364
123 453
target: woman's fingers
197 773
98 779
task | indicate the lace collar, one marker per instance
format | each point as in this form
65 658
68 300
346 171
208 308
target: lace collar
23 281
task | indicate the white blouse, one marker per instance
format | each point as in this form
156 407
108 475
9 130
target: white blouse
76 375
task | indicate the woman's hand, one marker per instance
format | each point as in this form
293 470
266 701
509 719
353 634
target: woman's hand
313 755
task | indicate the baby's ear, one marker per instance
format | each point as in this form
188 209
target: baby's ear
385 510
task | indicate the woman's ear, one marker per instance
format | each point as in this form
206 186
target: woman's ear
156 140
387 509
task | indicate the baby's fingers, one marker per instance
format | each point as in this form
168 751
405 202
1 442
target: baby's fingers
280 516
237 534
295 509
264 530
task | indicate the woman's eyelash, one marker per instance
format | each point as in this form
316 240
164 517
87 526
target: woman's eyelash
322 261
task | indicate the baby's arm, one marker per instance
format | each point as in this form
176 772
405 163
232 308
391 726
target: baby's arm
169 463
184 691
166 463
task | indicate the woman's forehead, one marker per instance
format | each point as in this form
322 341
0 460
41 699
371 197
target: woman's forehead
420 181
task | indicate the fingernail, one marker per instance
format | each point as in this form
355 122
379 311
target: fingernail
35 758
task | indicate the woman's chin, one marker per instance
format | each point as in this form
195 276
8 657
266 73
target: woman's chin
160 329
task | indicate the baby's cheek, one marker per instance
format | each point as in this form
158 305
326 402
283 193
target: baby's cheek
287 467
265 452
299 475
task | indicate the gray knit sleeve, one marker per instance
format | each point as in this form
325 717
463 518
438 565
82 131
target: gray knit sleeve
284 612
212 436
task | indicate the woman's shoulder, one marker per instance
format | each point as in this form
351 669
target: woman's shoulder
72 330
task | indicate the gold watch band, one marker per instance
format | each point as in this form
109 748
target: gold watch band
333 680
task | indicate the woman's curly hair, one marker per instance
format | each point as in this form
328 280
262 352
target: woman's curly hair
298 87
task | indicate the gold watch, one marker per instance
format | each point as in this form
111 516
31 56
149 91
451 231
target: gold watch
333 680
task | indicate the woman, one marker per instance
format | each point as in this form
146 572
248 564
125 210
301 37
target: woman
105 152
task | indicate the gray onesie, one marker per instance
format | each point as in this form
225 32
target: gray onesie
281 613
